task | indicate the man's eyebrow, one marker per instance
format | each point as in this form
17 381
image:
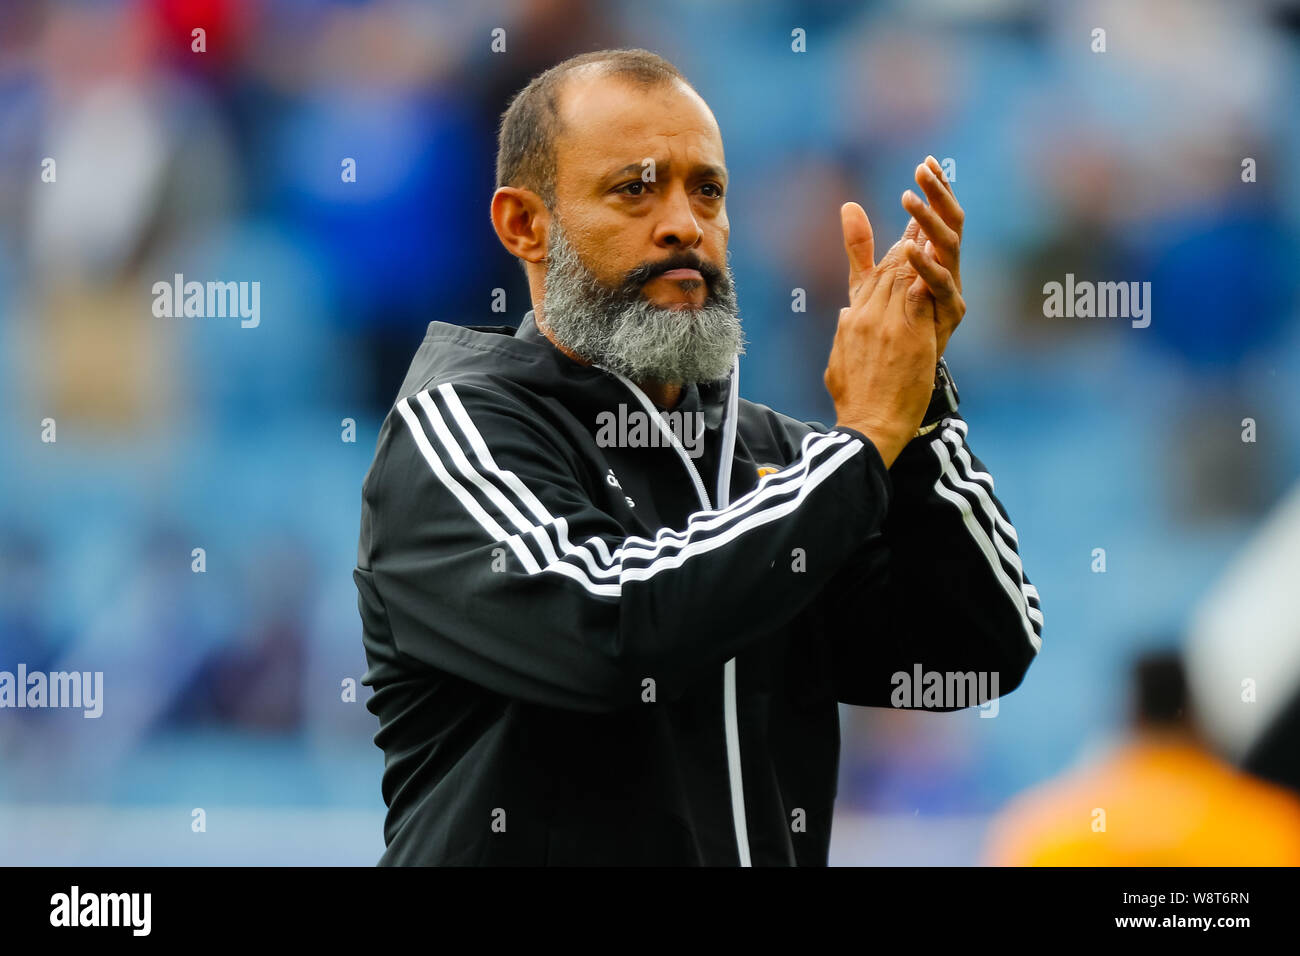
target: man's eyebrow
705 170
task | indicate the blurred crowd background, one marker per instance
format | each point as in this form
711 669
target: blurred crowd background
224 689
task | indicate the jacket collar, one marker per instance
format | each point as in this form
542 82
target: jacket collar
528 358
529 332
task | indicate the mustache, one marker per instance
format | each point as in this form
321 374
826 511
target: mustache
683 260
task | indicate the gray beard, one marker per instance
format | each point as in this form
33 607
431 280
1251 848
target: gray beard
621 330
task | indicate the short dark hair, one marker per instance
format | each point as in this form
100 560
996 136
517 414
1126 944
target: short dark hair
530 124
1160 682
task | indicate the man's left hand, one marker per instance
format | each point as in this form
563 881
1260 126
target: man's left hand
937 263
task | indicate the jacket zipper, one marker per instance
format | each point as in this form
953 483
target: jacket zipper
731 723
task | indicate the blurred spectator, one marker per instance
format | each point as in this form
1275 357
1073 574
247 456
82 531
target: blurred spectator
1159 799
1276 756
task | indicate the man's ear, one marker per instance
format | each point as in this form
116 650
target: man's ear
521 220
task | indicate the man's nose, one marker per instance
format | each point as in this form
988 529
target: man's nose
678 227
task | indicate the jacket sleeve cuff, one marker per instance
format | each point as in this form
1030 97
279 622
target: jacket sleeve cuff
877 473
917 467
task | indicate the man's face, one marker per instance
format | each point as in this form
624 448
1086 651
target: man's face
637 277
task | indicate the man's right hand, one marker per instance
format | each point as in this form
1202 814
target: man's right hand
881 369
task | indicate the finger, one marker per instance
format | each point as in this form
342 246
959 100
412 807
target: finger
902 281
937 166
936 278
883 279
950 307
895 257
941 197
859 244
930 250
912 305
873 297
919 305
946 241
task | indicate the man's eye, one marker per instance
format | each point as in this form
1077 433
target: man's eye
638 187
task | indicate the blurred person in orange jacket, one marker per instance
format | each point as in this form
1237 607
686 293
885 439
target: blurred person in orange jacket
1160 798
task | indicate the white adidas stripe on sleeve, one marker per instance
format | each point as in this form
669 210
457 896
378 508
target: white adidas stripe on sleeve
479 482
957 466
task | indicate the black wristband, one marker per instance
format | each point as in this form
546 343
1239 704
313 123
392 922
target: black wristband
943 401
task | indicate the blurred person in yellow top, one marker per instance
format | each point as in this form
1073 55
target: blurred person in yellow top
1160 798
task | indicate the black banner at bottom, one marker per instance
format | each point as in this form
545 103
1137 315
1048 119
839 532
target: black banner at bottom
333 906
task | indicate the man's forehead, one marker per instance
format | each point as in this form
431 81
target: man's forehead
604 118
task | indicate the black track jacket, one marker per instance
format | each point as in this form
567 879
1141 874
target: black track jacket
587 651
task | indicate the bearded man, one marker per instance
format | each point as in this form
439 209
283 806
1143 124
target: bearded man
596 651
